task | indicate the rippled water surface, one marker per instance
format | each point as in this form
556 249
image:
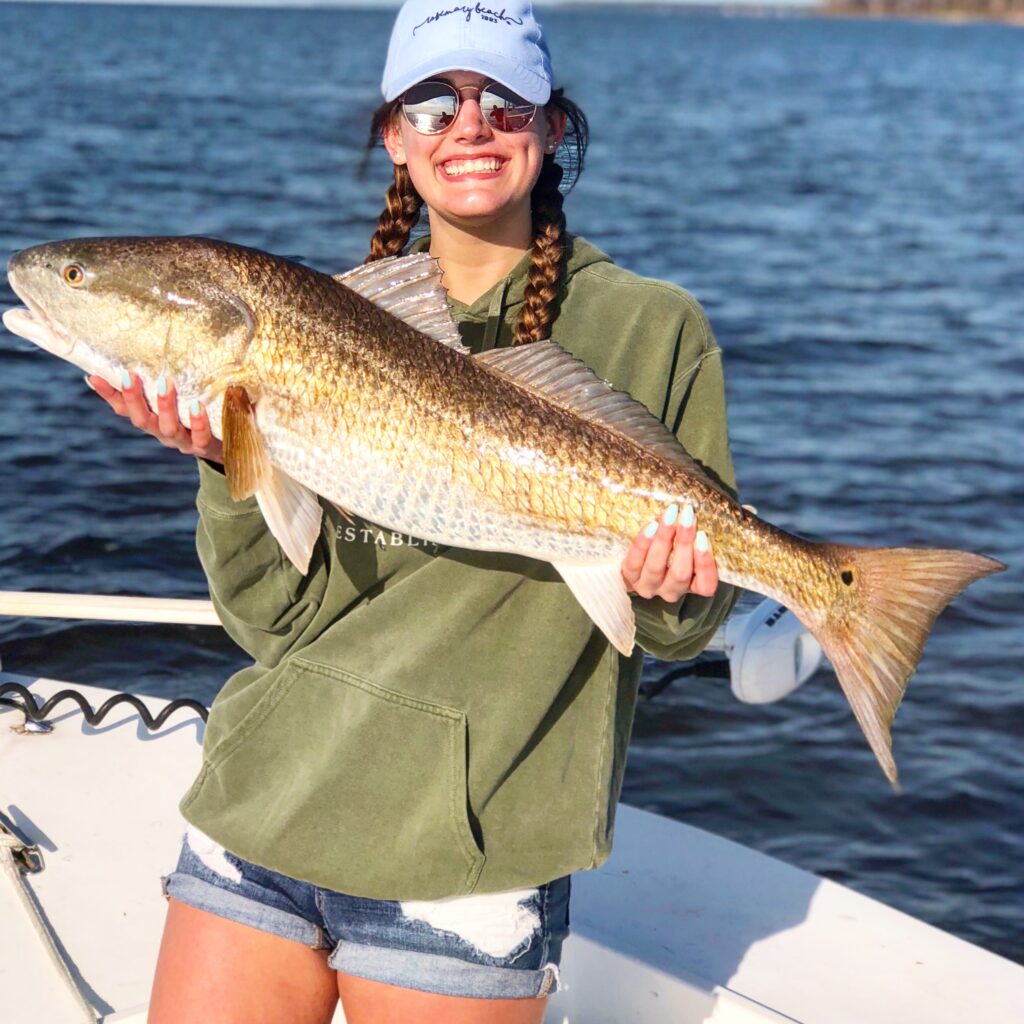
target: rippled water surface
846 201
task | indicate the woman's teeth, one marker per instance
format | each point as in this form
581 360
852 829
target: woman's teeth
487 165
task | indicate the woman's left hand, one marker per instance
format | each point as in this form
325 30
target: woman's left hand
671 560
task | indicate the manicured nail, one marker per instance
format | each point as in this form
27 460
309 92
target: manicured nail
701 543
126 379
161 385
688 514
670 514
88 383
193 407
650 530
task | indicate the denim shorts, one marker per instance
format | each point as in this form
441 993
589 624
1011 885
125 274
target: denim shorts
502 945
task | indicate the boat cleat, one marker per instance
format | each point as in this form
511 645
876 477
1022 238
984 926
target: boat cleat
25 852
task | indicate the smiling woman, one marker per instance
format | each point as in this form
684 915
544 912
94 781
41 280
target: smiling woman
430 741
471 174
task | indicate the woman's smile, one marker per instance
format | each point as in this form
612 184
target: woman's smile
480 166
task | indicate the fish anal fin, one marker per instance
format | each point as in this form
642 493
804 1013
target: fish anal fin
245 458
547 369
601 590
408 287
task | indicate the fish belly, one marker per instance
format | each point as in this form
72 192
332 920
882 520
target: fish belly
419 496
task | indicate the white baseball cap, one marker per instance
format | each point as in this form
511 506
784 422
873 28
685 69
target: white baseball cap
506 44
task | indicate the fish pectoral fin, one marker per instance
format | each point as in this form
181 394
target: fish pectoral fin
408 287
245 458
601 590
293 516
246 464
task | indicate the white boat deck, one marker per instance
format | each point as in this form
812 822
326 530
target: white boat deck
679 925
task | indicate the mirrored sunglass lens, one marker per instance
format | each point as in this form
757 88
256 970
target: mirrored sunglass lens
430 107
504 110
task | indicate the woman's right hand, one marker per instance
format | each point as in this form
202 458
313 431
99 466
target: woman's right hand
164 424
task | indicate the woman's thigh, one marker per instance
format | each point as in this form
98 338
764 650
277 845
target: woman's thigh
214 969
374 1002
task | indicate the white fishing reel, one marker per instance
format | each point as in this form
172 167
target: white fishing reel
770 653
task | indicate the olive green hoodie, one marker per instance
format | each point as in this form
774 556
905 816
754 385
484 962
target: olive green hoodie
422 722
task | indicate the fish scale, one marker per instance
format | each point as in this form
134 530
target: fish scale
401 420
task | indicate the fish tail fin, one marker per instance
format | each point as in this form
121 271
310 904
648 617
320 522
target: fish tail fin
885 604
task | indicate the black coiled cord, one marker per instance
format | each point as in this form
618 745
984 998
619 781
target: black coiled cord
37 713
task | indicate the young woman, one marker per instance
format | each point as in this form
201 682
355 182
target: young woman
430 741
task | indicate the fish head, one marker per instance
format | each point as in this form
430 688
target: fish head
155 305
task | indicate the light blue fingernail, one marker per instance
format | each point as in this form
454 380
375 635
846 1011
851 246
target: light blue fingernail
161 385
701 543
126 379
193 407
670 514
88 383
650 530
688 514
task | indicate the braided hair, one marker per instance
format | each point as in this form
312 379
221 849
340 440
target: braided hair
547 268
400 216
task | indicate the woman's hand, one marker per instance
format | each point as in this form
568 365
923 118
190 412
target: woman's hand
670 559
163 424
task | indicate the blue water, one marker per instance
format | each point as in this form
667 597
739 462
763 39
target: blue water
844 197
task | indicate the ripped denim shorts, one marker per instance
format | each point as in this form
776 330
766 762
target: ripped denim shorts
500 945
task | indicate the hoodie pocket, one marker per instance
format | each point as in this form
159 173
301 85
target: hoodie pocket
348 785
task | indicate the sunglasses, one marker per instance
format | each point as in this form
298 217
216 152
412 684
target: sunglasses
431 107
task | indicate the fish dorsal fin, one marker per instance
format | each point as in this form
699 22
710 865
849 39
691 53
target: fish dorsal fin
546 367
408 287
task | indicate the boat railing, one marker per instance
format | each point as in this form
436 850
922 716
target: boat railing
111 608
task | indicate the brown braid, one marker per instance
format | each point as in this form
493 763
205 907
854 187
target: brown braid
398 219
540 305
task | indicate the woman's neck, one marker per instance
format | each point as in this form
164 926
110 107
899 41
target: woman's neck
473 262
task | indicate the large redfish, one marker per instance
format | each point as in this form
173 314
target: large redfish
357 388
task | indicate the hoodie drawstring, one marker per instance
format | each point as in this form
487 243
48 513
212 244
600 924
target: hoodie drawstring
495 316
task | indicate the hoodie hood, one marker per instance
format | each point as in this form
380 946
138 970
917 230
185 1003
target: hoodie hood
499 306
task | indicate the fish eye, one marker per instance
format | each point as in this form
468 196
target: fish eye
74 274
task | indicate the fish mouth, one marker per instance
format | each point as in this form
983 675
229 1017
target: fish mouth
32 323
